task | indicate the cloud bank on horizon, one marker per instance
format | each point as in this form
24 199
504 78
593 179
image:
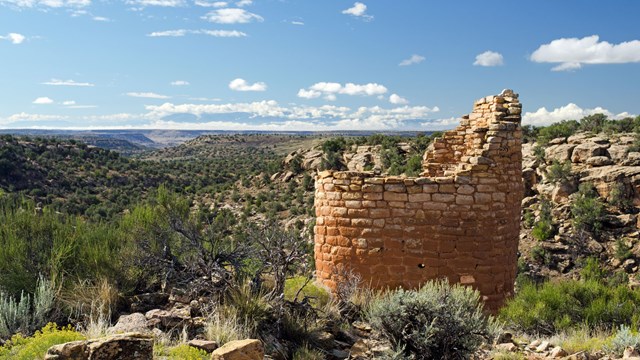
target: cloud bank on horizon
259 65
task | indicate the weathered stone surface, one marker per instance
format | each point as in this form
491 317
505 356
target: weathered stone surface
206 345
586 150
129 346
135 322
559 153
250 349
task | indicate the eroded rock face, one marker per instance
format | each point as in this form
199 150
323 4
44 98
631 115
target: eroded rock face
129 346
250 349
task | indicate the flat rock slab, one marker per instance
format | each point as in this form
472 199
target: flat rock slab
250 349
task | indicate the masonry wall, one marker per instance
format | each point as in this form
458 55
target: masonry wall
459 220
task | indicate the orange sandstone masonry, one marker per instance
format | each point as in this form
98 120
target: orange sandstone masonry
459 220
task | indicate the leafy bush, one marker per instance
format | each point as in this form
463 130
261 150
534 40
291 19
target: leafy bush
563 128
544 228
24 314
438 321
35 347
186 352
623 251
559 172
299 286
562 305
619 197
623 339
587 209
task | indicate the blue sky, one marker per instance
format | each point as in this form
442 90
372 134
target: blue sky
310 64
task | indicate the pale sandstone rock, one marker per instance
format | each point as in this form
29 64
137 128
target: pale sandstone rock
129 346
250 349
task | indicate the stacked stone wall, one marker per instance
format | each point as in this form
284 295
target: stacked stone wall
459 220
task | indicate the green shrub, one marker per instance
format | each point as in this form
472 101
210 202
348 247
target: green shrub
587 210
318 295
438 321
623 339
23 314
186 352
564 128
544 228
35 347
559 172
307 353
529 219
623 251
619 197
562 305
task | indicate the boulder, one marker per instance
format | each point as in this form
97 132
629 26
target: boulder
135 322
168 319
599 161
129 346
250 349
557 352
206 345
560 153
562 190
586 150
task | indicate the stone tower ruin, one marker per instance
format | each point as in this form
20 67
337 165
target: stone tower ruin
460 220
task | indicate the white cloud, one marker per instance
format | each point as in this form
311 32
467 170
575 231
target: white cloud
68 103
147 95
571 53
297 23
396 99
216 4
15 38
222 33
204 99
232 16
23 116
160 3
242 85
358 10
43 100
82 107
169 33
414 59
571 111
45 3
331 89
309 94
58 82
489 58
101 18
243 3
180 83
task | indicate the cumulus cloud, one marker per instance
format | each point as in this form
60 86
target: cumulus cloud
396 99
331 89
43 101
68 103
147 95
101 19
414 59
358 10
23 116
571 53
45 3
489 58
183 32
180 83
571 111
232 16
243 3
15 38
58 82
216 4
242 85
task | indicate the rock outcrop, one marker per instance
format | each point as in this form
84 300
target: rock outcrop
250 349
130 346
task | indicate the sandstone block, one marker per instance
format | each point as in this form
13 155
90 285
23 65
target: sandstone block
250 349
393 196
